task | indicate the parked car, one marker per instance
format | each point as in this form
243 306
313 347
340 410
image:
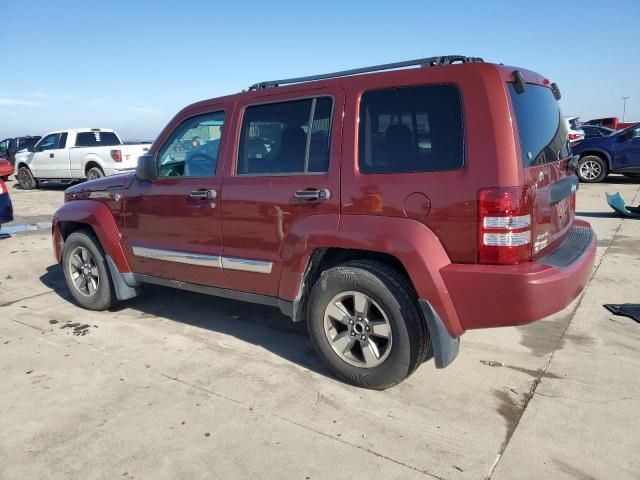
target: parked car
591 131
615 153
10 146
6 168
85 153
574 130
366 204
610 122
6 209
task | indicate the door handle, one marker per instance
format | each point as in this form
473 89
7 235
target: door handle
313 194
203 194
51 155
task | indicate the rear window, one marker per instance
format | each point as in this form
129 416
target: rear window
411 129
97 139
543 135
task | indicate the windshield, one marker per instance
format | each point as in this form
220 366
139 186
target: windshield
542 131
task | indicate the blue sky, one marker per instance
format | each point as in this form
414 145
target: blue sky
131 65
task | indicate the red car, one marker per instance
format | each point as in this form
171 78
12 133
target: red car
6 169
391 209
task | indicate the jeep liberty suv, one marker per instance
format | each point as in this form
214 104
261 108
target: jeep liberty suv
392 208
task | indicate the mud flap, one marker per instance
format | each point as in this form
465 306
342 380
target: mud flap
124 284
616 202
445 347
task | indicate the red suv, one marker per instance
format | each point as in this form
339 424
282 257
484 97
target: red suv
391 208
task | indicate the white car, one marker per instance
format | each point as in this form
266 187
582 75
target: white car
574 130
82 153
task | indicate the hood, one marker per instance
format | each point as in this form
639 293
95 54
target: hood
113 182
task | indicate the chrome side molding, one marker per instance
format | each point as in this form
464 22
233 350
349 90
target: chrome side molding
241 264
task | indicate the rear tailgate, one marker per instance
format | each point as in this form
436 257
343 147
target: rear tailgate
545 155
131 153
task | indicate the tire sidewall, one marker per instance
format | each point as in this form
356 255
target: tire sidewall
104 296
397 365
603 172
26 172
99 173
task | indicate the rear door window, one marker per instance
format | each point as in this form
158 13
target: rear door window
286 138
542 132
411 129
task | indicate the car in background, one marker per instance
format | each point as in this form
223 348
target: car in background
6 169
574 131
591 131
10 146
6 209
610 122
615 153
76 154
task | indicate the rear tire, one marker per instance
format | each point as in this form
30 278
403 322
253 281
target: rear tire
592 169
381 337
86 271
94 173
26 179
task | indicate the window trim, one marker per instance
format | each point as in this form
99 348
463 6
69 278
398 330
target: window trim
312 112
414 85
170 138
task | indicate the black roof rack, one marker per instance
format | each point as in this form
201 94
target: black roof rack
423 62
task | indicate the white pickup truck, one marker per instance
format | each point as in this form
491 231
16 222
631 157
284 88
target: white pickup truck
82 153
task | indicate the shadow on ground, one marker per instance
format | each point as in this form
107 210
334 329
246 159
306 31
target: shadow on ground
256 324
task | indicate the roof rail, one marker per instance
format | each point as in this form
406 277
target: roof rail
423 62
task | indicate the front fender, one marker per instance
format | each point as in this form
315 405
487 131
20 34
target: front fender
98 216
416 247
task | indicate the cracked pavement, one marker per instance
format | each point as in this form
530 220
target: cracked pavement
176 385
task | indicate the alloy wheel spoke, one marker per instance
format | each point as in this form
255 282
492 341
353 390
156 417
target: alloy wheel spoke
380 329
338 312
370 352
76 261
361 304
343 342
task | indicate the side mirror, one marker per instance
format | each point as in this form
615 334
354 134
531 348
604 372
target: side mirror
147 169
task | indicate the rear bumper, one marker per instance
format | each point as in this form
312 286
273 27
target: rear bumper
496 296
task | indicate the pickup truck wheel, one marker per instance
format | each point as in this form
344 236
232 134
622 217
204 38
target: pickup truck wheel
592 169
25 179
86 272
94 172
365 323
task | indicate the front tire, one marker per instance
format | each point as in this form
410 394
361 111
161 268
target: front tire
86 272
592 169
26 179
94 172
365 323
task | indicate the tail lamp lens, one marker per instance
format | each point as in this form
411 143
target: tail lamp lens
504 225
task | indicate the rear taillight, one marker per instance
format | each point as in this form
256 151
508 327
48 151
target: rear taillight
574 136
504 225
116 155
3 188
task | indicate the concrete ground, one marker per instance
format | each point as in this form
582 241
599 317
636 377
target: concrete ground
176 385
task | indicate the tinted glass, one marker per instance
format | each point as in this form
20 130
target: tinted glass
543 135
50 142
411 129
276 138
97 139
27 142
62 141
192 150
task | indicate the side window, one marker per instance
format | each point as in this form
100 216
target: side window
4 146
192 150
276 138
410 129
50 142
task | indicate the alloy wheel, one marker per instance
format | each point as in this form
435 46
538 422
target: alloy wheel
358 329
590 170
84 271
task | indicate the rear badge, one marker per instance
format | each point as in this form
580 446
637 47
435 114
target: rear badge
542 241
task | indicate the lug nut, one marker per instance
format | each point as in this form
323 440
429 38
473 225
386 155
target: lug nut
353 334
367 328
362 337
351 322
